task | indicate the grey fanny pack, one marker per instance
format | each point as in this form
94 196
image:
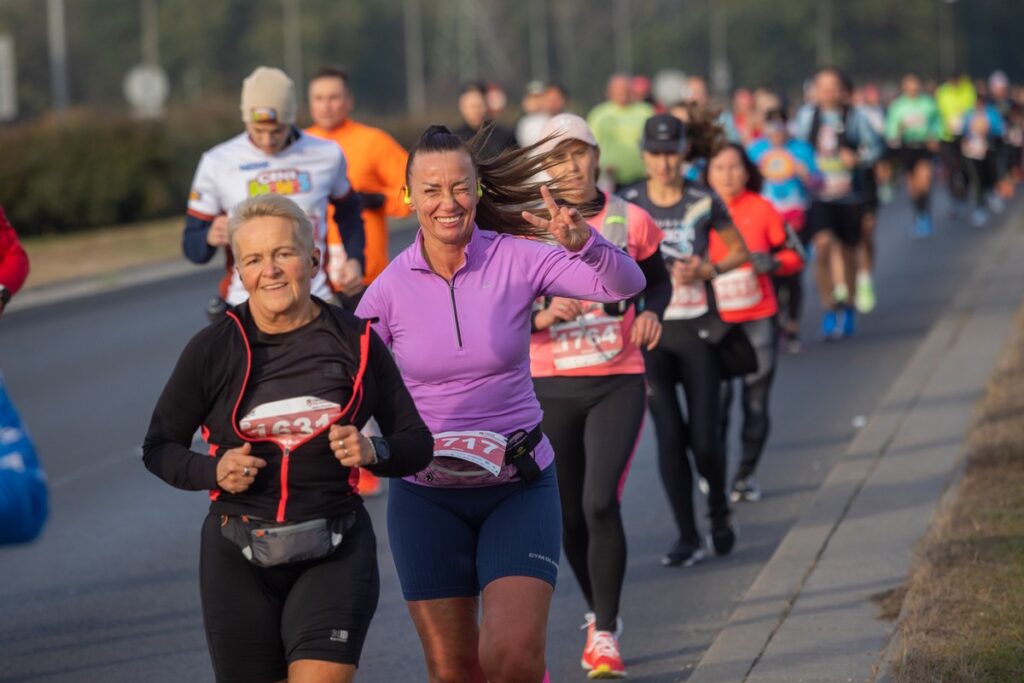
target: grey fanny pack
269 544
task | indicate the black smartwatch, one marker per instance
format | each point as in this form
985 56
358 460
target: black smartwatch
383 452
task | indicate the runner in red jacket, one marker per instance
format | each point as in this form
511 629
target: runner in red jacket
13 262
746 296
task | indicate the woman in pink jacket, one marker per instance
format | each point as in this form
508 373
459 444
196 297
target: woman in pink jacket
483 519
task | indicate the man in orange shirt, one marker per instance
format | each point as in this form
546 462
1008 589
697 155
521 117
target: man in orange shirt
376 165
376 169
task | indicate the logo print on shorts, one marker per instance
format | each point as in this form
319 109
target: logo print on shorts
339 635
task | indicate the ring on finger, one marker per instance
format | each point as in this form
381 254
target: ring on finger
245 471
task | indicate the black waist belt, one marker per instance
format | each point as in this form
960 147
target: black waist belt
519 452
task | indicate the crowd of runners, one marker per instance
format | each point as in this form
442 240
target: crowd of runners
568 274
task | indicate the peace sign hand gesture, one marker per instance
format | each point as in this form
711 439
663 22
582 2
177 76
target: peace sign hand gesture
566 225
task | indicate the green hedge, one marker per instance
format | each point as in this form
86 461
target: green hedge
97 170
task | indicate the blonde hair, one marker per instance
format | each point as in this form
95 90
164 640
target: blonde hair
273 206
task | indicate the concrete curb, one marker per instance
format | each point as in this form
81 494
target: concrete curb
139 275
808 615
108 282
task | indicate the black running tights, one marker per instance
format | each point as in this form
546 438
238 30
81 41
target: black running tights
682 357
593 424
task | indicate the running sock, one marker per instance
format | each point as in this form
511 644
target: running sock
864 278
840 293
921 203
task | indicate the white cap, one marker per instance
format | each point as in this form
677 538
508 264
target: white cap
268 96
564 127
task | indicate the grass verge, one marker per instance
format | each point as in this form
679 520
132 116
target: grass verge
102 252
963 615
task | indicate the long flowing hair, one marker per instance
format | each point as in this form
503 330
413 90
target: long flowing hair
510 182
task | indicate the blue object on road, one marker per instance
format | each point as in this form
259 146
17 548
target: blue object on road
923 226
849 321
829 325
24 502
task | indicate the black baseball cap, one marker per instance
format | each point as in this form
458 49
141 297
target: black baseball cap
663 133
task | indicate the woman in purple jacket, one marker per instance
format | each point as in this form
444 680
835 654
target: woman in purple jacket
484 517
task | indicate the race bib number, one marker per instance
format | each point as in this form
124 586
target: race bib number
838 181
975 148
914 121
590 340
484 449
688 301
289 422
737 290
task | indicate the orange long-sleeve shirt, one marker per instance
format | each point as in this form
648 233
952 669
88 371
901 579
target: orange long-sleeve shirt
742 294
376 164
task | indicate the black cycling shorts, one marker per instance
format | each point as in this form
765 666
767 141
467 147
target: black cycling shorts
841 219
909 157
259 619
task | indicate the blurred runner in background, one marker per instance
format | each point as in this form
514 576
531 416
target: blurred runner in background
273 156
489 138
13 262
376 167
618 125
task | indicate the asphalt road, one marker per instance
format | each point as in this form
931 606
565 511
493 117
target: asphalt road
110 591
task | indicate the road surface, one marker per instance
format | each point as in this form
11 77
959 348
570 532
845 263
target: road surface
110 591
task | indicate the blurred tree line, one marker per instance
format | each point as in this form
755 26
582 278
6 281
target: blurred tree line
101 167
207 46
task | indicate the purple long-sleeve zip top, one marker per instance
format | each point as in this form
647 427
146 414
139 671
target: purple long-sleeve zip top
463 346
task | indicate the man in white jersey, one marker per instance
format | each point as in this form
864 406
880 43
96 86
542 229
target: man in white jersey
273 155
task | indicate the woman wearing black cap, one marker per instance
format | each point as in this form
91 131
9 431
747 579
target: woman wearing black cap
687 213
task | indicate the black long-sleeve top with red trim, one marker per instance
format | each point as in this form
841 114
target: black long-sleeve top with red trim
206 388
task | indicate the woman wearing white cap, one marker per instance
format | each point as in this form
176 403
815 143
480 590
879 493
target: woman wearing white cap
273 156
588 370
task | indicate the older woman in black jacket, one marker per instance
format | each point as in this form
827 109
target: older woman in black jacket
280 387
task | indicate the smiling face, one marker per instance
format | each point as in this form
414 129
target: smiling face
275 269
576 170
442 189
727 175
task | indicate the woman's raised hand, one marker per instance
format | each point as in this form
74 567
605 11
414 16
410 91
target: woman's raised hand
566 224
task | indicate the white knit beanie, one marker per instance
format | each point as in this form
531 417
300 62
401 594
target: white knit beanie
268 96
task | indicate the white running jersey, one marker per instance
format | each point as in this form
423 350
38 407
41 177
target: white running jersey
309 171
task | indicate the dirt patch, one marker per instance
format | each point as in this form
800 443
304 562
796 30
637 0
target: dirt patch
102 252
964 607
890 602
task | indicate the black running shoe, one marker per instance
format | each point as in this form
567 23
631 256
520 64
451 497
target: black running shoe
723 535
683 554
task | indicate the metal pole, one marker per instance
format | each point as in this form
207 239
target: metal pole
721 78
623 36
58 56
150 32
415 88
947 38
824 56
293 41
539 40
467 41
